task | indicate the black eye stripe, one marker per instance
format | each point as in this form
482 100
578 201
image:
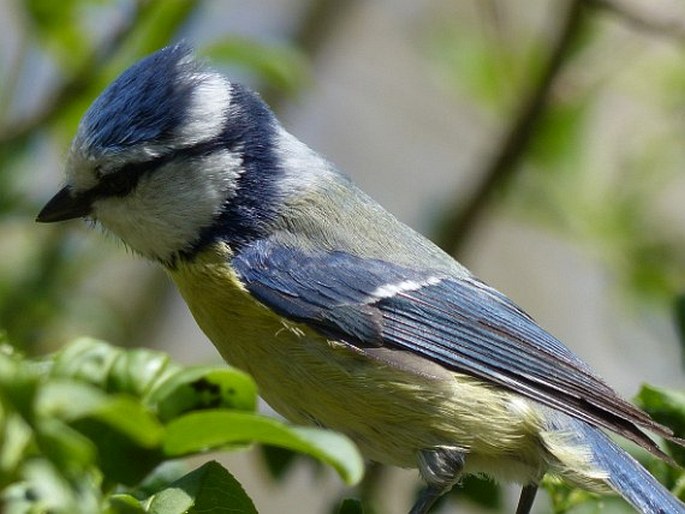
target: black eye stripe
124 180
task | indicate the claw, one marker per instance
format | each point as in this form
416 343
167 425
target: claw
440 467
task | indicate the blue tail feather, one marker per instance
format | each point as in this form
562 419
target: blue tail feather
628 478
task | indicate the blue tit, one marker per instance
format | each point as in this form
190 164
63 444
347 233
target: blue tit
345 317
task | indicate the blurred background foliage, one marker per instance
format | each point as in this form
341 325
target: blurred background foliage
543 81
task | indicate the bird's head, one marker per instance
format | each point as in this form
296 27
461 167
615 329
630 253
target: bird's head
169 154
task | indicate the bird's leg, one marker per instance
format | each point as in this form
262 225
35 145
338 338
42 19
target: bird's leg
527 498
440 467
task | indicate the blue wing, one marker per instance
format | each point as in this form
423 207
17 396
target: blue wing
460 323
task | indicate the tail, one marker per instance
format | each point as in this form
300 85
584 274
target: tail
628 478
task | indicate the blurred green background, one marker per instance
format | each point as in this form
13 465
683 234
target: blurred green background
540 142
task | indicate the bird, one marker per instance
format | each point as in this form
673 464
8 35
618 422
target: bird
345 317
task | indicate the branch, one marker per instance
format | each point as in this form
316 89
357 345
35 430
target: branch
458 223
642 20
311 35
60 98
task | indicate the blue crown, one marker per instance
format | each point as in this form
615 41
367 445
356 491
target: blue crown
145 103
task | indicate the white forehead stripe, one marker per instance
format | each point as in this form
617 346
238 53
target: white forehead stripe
390 290
208 109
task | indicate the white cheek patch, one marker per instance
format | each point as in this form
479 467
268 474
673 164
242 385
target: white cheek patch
390 290
208 109
168 209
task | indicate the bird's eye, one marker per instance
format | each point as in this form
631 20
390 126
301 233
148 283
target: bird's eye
122 181
117 184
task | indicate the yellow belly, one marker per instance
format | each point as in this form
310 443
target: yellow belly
390 411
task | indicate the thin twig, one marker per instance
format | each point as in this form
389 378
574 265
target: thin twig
13 72
310 36
643 20
458 224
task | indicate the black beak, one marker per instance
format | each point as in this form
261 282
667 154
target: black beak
65 206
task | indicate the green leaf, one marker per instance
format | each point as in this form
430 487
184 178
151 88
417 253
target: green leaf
70 451
351 506
127 438
123 504
119 430
160 23
46 489
664 405
129 417
15 430
282 67
492 74
161 477
15 437
210 488
203 388
86 359
668 408
137 371
205 430
68 399
558 142
18 385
